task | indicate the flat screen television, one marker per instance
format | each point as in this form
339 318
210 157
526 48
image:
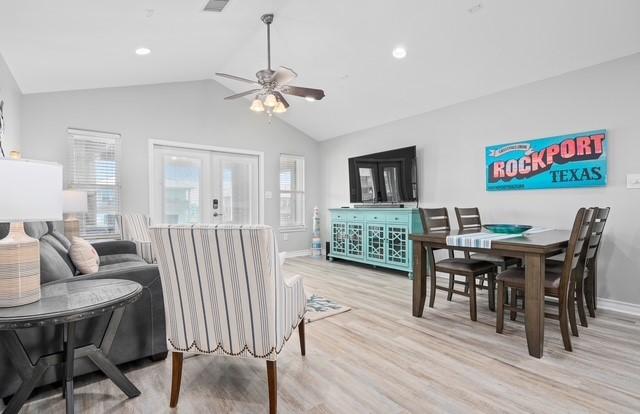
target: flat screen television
384 177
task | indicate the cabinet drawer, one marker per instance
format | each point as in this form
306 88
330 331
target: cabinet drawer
338 217
398 218
354 217
375 217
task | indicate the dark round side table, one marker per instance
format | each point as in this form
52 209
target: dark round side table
63 304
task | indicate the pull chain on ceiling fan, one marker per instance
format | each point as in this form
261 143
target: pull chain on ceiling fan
272 85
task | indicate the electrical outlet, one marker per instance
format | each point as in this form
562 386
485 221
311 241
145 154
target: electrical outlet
268 195
285 236
633 180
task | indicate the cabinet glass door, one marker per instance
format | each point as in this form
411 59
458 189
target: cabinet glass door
375 242
355 239
338 238
397 252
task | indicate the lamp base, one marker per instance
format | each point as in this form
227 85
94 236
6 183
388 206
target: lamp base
71 227
19 268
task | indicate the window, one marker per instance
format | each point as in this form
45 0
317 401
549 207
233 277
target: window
94 167
291 192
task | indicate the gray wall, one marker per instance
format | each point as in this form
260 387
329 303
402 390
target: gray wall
11 95
451 146
192 112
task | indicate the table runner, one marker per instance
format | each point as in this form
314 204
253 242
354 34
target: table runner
483 239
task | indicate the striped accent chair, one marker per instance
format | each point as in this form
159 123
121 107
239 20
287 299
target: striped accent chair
135 228
225 294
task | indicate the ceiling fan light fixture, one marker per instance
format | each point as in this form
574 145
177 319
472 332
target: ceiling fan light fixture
257 106
270 100
279 108
310 98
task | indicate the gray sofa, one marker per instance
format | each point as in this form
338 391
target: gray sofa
142 331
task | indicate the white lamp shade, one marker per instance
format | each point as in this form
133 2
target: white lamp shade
30 190
74 201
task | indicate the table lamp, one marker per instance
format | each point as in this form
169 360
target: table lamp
30 191
74 202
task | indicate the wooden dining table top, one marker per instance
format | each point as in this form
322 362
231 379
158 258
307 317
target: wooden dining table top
544 242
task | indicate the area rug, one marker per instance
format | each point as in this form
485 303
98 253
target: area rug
319 307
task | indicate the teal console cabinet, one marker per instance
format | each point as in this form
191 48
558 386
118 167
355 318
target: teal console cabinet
375 236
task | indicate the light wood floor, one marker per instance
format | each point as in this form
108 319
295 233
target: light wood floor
378 358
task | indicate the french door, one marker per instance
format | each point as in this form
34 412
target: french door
204 186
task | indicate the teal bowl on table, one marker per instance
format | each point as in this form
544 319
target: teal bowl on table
507 228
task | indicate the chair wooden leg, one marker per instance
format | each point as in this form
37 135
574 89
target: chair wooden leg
588 294
452 280
500 309
579 299
492 291
432 287
176 378
514 302
272 377
303 347
472 298
571 309
564 325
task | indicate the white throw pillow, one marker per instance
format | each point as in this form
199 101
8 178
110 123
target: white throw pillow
84 256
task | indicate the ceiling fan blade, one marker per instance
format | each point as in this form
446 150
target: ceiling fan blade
241 94
316 94
281 99
238 78
284 75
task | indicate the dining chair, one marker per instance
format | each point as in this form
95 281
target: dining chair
557 285
591 276
437 220
585 279
226 295
469 220
135 228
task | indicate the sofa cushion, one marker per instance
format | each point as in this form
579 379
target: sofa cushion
84 256
62 251
60 237
52 265
36 229
120 258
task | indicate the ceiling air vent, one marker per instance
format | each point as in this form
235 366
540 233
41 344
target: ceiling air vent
215 5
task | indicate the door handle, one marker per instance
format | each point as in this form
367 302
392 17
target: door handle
216 214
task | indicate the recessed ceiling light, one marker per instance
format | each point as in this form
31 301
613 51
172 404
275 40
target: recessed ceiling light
399 52
141 51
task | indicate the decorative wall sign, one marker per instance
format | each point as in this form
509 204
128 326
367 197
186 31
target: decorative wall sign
565 161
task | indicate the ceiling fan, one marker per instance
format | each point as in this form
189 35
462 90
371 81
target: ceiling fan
273 84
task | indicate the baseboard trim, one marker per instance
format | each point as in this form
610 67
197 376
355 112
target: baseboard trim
298 253
618 306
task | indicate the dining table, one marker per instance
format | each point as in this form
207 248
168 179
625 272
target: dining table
532 249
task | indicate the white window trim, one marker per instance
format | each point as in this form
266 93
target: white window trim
298 227
107 137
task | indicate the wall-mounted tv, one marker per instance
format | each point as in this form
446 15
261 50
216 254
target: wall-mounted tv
384 177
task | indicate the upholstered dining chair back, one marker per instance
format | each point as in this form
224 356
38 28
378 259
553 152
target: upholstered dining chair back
223 290
135 228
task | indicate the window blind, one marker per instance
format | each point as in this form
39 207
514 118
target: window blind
291 191
94 167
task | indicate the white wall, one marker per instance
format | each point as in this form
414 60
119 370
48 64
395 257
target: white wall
192 112
11 95
451 144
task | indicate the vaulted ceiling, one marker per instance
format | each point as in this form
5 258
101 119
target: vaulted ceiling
457 49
